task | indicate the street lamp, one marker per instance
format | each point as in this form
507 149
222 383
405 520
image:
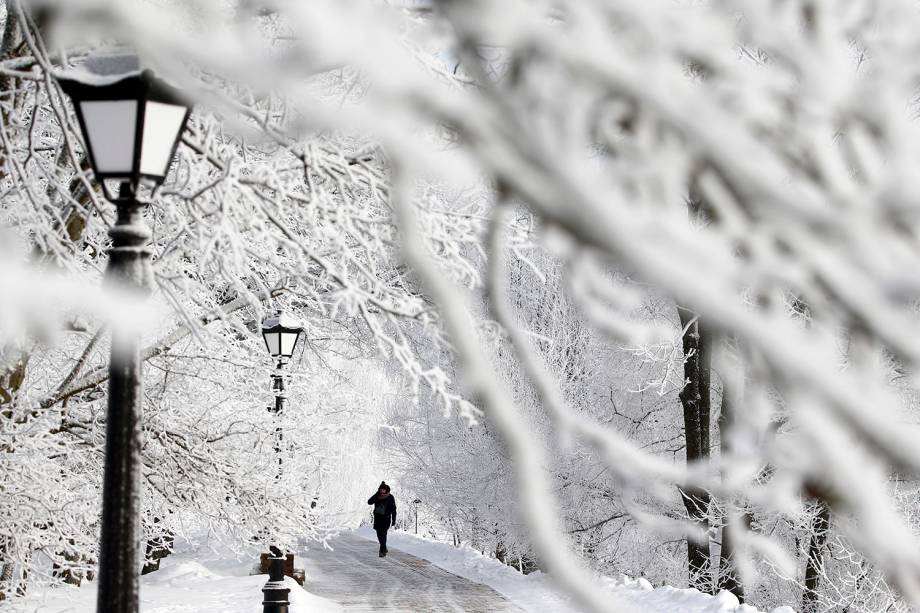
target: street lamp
131 121
280 334
416 502
131 124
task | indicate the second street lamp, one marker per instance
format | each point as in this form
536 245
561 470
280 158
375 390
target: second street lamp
131 124
281 334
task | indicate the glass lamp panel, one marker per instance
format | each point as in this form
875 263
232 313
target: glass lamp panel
273 342
288 340
162 123
110 131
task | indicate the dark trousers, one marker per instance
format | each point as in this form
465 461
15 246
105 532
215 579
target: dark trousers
382 538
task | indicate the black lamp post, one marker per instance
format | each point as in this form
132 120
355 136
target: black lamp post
280 333
131 124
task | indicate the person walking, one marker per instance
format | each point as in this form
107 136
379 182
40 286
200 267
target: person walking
384 514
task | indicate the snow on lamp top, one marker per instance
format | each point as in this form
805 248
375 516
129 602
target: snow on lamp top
130 119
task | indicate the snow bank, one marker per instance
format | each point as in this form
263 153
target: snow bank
535 592
185 583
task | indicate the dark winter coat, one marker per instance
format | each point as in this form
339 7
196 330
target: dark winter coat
384 511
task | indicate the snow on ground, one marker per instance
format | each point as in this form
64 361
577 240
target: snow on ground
187 582
196 579
536 594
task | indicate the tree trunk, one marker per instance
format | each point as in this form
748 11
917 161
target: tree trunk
859 352
729 580
23 584
7 566
820 523
728 577
696 404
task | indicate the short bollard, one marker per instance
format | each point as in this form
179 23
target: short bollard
274 594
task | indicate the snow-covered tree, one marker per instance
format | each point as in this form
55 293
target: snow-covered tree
391 171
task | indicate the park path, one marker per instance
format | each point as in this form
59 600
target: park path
356 578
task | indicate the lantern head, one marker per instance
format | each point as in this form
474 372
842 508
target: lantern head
281 333
131 120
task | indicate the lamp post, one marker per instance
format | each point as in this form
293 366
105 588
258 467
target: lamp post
280 333
416 502
131 124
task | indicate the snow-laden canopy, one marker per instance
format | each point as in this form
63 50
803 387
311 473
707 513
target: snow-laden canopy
552 220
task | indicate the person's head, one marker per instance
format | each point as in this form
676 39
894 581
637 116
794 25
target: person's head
384 489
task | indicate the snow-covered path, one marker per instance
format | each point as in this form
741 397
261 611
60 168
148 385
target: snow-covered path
355 577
